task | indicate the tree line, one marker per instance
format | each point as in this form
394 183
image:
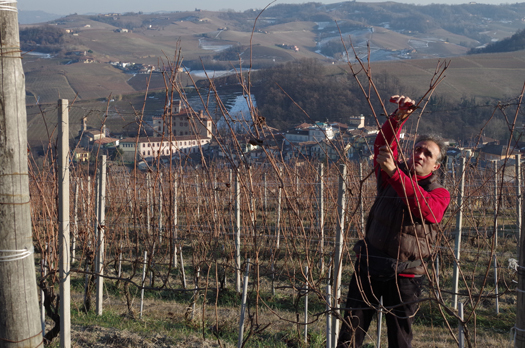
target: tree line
514 43
303 91
46 39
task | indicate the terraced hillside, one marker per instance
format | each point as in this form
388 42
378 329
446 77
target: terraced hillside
404 41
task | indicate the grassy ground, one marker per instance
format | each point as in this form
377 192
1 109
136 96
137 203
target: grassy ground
170 321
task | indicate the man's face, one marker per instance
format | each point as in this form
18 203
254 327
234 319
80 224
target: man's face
423 160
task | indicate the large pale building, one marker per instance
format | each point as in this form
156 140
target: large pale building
150 147
183 122
320 131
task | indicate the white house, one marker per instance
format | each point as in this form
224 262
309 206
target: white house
149 147
320 131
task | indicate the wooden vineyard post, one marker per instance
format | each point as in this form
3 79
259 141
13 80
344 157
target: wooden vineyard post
75 223
519 327
496 208
361 203
320 212
160 209
148 205
197 199
99 260
457 245
496 292
237 233
306 305
19 310
175 220
243 304
338 251
216 222
143 283
461 334
329 338
265 194
279 200
518 199
63 218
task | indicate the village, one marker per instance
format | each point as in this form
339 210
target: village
189 135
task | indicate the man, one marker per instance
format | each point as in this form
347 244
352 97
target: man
401 229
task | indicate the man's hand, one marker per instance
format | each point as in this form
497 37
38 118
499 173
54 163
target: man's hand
405 106
386 161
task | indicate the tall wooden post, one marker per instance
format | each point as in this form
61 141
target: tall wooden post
329 338
148 205
265 194
75 223
519 328
361 204
63 218
496 208
216 221
175 219
279 201
338 250
160 209
320 211
197 198
457 245
237 232
518 199
19 311
99 263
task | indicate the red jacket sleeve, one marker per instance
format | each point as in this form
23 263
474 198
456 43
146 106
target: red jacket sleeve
430 206
389 134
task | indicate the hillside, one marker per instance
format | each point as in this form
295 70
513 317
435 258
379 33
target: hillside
404 41
514 43
395 30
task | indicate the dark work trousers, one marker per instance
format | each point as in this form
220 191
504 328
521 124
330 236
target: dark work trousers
400 300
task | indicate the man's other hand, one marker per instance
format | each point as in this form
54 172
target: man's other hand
386 161
405 106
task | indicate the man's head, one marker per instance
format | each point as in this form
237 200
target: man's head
429 151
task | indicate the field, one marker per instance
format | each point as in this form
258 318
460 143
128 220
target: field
497 76
185 221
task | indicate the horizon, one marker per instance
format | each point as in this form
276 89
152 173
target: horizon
63 7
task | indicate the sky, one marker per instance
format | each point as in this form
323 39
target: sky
64 7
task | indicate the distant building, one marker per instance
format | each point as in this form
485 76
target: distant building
296 135
81 155
88 134
355 122
87 60
151 147
183 122
320 131
288 47
496 152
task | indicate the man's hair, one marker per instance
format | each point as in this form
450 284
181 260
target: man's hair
438 141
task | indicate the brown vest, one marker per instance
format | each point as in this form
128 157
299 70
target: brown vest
393 230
